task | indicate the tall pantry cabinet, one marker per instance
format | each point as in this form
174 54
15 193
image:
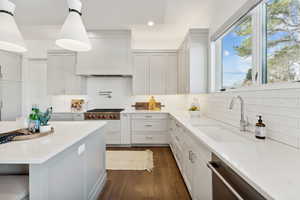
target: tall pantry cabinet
193 62
10 86
155 73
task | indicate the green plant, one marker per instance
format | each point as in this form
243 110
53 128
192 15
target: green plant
45 117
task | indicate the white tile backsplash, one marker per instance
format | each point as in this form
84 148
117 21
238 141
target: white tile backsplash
280 109
121 97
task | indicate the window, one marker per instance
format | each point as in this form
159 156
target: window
237 55
283 40
262 47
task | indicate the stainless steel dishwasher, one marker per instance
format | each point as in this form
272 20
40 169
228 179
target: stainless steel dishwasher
227 185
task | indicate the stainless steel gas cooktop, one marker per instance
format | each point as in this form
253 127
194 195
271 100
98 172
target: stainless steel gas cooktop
103 114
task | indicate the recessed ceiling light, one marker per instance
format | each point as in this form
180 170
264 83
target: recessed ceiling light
151 23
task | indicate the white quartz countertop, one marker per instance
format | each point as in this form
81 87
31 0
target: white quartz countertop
132 111
272 168
40 150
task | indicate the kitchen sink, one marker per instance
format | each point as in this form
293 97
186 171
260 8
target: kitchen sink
220 134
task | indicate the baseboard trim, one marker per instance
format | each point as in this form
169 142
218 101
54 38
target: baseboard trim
150 145
98 187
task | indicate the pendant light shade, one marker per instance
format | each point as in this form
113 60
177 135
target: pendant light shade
73 35
10 36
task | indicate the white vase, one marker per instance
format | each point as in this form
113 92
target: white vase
195 114
44 129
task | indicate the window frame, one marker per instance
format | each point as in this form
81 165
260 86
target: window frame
219 53
259 56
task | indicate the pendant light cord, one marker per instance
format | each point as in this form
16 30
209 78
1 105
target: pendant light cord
7 12
73 10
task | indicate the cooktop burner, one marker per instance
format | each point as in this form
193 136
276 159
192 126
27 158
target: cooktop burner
106 110
103 114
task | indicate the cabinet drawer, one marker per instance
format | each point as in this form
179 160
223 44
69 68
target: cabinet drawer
149 133
149 125
150 116
150 139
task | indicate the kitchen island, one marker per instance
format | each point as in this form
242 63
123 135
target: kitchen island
68 164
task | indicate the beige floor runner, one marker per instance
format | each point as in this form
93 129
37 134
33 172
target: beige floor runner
129 160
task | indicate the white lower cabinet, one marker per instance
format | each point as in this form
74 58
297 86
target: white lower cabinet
201 179
191 157
112 132
149 129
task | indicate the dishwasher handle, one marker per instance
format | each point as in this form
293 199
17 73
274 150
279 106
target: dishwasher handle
211 165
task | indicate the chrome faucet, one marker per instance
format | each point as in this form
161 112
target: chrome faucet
243 121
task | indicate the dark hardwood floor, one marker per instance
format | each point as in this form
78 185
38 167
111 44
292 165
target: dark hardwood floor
163 183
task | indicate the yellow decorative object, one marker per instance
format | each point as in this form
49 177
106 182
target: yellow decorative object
194 108
152 104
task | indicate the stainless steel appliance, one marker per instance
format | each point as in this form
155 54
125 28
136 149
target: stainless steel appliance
103 114
227 185
113 126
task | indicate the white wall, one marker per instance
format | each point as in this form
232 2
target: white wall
119 86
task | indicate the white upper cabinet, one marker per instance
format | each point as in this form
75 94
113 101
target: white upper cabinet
155 73
61 75
193 63
141 74
10 100
172 74
110 54
10 86
10 66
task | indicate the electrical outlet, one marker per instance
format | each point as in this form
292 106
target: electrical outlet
81 149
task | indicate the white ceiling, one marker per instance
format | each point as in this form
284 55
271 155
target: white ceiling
172 17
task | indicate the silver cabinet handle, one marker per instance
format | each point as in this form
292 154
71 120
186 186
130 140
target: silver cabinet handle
232 190
149 137
148 116
190 155
193 157
148 125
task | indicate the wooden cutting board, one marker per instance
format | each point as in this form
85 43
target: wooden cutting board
26 134
145 105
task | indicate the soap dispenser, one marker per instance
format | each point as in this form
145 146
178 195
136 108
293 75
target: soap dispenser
260 129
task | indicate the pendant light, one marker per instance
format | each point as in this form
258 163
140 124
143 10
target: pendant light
10 35
73 35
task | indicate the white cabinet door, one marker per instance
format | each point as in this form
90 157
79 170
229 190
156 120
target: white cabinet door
10 66
141 74
110 55
157 72
56 75
113 132
202 179
193 62
61 76
74 85
11 95
125 129
172 74
188 165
